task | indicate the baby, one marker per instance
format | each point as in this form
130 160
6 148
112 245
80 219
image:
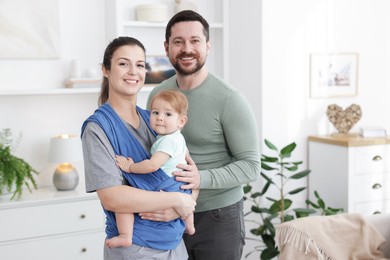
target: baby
168 116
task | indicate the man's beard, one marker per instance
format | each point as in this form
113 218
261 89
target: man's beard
186 71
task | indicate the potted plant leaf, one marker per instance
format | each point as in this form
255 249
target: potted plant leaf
278 170
15 173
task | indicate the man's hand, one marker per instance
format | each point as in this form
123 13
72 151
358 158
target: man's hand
190 175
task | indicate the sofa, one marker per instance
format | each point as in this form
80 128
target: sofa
339 237
382 223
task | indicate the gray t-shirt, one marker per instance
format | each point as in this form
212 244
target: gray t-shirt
101 172
99 156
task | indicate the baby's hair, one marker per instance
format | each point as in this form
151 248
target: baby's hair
177 100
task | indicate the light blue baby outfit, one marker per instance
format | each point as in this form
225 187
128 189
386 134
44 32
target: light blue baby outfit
175 146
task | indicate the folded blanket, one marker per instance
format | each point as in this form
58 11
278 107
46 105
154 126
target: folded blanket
338 237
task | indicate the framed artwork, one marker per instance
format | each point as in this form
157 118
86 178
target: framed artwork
29 29
333 75
158 69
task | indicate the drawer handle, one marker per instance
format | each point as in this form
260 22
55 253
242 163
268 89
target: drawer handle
82 216
377 158
377 212
83 250
376 186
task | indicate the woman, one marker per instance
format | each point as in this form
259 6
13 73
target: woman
118 126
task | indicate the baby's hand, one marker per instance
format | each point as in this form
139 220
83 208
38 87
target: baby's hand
123 162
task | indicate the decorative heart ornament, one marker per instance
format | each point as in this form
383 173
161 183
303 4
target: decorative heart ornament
344 120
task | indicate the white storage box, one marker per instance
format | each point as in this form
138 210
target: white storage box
152 13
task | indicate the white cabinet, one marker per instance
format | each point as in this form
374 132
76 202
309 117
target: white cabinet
351 172
121 20
48 224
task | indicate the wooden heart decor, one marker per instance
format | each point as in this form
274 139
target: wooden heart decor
344 120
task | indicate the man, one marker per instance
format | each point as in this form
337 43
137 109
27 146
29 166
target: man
222 139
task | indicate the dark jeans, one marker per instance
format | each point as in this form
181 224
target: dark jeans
220 234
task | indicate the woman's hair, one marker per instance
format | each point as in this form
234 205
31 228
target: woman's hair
177 100
109 52
187 16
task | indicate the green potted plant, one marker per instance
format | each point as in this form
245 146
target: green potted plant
15 173
277 171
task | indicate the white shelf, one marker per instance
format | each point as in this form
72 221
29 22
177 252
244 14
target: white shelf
121 20
57 91
51 91
142 24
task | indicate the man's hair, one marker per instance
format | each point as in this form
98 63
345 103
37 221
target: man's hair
177 100
187 16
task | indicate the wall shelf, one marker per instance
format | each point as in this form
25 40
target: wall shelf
142 24
58 91
53 91
121 20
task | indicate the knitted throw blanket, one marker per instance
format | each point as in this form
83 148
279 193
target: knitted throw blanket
338 237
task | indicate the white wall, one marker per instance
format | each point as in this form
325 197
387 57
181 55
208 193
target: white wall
82 35
246 69
302 27
289 32
245 52
38 117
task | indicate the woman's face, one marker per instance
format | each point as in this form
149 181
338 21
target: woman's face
127 73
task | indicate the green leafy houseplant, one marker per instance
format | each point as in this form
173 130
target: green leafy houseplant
14 172
277 171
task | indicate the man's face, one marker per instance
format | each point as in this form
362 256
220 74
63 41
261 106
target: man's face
187 48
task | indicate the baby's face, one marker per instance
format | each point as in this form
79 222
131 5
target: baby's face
164 119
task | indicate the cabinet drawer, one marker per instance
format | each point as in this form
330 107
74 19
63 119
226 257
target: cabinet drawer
371 187
70 247
372 159
27 222
372 207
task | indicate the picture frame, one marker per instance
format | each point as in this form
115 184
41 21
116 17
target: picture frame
32 34
333 75
158 69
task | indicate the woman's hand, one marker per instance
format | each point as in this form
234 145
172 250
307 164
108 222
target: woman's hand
190 175
185 207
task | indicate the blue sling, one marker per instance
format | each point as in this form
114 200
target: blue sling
152 234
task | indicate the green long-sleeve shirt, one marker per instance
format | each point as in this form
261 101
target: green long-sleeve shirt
222 139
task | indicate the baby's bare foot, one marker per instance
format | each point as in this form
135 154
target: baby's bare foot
121 240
